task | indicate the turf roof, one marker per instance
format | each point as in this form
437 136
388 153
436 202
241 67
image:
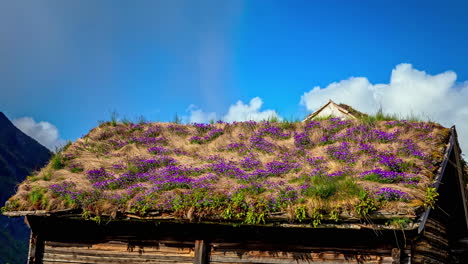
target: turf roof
245 172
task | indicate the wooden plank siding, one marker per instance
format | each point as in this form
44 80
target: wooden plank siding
114 252
222 254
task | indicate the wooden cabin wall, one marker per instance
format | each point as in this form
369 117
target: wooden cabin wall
78 241
445 224
433 245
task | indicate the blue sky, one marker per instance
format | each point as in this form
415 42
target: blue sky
71 63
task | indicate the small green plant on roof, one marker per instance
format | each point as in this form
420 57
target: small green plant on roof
177 119
142 120
236 208
76 168
301 213
366 204
257 213
57 161
378 116
114 118
11 204
327 186
316 216
335 213
431 197
47 175
274 119
37 197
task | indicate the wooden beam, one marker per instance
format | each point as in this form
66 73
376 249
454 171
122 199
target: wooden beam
201 252
36 249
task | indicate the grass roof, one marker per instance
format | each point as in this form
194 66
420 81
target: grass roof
315 172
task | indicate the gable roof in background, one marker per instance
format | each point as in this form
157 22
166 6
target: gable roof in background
335 110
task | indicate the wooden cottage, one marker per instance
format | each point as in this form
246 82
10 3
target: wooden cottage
329 191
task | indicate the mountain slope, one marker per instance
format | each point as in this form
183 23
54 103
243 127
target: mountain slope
19 156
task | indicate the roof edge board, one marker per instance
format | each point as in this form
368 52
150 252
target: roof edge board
439 177
460 175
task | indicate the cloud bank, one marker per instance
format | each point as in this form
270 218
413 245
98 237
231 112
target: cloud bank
43 132
410 92
236 112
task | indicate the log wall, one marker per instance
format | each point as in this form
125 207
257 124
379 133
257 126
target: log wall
119 252
114 252
63 240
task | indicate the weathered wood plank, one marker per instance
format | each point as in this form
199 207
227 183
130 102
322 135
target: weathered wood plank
115 258
242 247
118 254
125 249
36 249
300 258
201 252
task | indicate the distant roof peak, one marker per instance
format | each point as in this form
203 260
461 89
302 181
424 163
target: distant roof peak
335 110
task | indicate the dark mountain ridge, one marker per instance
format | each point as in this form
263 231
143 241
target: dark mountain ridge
19 156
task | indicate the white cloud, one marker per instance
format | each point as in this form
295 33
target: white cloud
251 111
410 92
43 132
199 116
236 112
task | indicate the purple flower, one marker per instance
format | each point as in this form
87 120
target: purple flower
98 175
158 150
302 140
250 163
202 128
179 130
316 161
389 194
261 144
273 131
342 153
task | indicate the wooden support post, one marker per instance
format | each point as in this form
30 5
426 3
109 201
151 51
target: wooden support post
396 255
36 249
201 252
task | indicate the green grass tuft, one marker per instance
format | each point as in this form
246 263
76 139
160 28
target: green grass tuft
57 162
